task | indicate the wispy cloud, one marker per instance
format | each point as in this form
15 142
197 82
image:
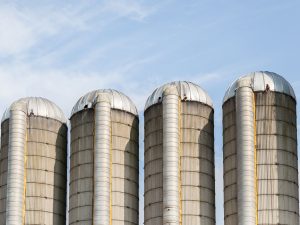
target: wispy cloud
129 8
65 86
208 78
22 26
15 36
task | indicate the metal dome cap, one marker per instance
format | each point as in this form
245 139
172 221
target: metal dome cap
259 82
187 91
38 106
118 100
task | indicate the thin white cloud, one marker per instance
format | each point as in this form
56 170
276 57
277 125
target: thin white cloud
65 86
15 35
21 27
129 8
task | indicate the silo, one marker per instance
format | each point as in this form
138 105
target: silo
104 160
179 156
260 151
33 163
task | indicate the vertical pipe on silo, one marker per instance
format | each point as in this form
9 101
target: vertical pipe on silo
171 209
246 172
15 200
102 158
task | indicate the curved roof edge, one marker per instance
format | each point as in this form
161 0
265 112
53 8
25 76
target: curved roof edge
38 106
259 81
118 100
187 91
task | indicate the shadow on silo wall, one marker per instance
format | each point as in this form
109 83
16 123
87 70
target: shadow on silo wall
207 169
131 173
60 186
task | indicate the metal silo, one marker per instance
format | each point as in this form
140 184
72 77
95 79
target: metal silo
179 156
260 151
33 163
104 160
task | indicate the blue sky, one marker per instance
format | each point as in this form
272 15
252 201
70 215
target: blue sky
62 49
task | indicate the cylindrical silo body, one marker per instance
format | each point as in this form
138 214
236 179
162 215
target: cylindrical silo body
260 152
104 160
179 156
33 163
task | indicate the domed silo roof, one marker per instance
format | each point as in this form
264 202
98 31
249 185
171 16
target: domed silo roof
38 106
118 100
259 82
187 91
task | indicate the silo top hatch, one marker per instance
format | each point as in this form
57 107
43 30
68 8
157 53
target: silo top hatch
260 81
38 106
187 91
117 100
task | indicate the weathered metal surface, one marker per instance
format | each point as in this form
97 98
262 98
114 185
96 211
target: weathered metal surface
187 91
261 81
16 164
102 161
277 167
117 101
44 165
38 106
123 167
171 157
197 184
246 159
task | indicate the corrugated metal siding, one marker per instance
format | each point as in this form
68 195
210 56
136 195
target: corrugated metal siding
277 167
124 168
3 169
153 198
230 164
45 173
197 164
81 168
277 159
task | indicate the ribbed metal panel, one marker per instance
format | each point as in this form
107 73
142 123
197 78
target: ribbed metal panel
187 91
124 167
260 81
246 156
276 153
16 165
39 106
117 101
171 157
196 164
44 178
102 161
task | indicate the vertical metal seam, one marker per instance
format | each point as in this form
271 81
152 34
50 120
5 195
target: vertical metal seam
93 196
102 161
170 157
110 180
255 158
179 161
15 174
247 201
25 176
